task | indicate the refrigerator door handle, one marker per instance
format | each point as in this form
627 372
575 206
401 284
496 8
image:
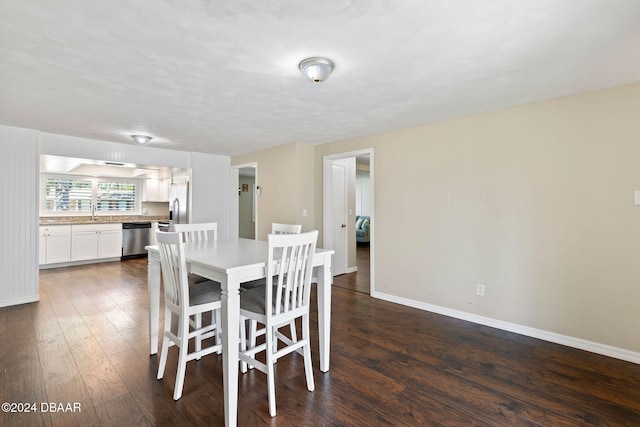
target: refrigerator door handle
176 212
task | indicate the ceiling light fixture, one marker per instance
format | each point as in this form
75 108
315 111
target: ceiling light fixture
316 69
141 139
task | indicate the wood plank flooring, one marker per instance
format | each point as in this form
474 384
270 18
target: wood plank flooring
86 342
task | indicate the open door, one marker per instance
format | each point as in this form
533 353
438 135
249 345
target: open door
339 228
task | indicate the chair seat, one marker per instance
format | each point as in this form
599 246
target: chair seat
253 299
205 292
194 278
253 284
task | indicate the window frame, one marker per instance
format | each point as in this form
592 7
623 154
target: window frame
136 182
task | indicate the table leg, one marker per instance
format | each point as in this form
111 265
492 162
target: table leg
230 343
153 283
324 312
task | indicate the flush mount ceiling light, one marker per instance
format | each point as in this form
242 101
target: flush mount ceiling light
141 139
316 69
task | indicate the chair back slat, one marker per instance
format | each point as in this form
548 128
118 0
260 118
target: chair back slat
173 264
277 228
290 263
199 232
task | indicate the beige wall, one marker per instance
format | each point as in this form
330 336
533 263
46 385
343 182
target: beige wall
285 175
535 202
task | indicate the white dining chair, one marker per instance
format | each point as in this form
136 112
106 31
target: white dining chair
285 298
277 228
200 232
184 301
254 332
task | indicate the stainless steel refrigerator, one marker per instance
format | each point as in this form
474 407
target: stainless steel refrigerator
178 204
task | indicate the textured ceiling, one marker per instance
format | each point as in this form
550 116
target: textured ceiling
222 76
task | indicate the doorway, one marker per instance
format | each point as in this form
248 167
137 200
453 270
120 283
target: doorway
247 202
357 257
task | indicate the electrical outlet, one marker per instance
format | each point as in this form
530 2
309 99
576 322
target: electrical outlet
480 290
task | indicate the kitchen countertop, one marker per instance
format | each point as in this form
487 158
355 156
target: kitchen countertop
99 219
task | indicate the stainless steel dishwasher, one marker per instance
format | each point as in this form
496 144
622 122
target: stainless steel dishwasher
135 236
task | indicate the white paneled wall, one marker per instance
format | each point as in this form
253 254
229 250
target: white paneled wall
210 196
19 213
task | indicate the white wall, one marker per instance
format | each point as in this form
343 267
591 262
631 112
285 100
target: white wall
19 213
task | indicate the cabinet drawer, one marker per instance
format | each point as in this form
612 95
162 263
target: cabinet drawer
97 227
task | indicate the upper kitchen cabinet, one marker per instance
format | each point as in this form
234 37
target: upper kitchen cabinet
157 190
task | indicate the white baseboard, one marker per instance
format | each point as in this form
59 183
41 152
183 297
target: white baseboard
74 263
18 301
594 347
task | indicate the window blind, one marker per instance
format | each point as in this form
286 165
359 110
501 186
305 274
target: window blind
116 196
68 195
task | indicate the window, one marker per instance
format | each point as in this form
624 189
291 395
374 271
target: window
116 196
77 195
68 195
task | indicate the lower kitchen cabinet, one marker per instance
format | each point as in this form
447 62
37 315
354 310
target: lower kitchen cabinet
96 241
55 244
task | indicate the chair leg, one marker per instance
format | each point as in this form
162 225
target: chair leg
253 332
218 316
183 330
165 345
292 328
270 373
198 337
243 342
308 368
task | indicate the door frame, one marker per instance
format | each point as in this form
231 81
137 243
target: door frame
327 163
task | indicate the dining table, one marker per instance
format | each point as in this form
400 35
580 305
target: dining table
232 262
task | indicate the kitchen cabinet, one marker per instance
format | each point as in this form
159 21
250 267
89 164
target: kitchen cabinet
157 190
55 244
96 241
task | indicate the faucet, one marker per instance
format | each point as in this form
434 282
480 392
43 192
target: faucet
93 212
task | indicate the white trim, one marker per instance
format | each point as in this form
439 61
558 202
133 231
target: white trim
74 263
593 347
351 270
17 301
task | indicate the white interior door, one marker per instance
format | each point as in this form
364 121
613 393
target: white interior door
339 218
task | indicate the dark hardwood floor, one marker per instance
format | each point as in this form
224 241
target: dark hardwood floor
86 342
358 282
